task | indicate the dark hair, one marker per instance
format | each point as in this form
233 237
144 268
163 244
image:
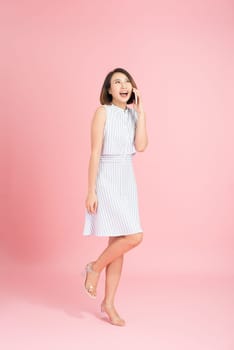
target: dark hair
105 97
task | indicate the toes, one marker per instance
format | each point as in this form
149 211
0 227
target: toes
91 292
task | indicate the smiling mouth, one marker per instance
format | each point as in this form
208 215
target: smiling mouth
123 94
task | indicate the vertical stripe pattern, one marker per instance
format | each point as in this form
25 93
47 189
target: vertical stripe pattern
117 212
119 131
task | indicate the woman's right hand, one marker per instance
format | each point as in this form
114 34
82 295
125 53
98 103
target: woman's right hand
91 203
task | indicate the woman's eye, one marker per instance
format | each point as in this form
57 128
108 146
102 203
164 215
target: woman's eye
119 82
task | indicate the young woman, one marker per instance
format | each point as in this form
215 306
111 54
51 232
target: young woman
117 132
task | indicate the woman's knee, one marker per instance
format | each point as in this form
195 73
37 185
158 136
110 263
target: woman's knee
135 239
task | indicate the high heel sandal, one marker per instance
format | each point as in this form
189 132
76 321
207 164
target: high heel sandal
116 321
90 289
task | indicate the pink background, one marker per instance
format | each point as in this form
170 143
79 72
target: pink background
54 57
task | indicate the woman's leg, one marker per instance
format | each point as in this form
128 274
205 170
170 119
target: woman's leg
113 273
115 249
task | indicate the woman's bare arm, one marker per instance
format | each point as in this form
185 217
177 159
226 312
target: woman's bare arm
141 137
97 128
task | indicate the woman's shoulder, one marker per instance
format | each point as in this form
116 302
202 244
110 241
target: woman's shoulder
103 108
100 114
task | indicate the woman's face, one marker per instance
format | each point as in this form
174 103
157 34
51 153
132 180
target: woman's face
120 88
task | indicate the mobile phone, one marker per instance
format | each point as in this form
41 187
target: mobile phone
135 98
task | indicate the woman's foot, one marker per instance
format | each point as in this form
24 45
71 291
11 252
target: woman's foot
91 280
114 317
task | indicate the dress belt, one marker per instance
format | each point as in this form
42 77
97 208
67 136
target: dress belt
115 157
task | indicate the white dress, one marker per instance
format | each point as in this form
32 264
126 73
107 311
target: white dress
117 210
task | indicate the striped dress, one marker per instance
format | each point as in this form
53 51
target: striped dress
117 210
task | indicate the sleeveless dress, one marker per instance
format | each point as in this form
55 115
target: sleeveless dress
117 208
